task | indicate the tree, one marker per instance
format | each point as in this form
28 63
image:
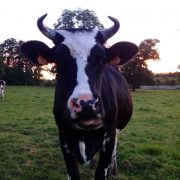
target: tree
15 68
2 68
78 19
136 71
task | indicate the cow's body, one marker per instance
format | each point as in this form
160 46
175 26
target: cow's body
92 99
2 86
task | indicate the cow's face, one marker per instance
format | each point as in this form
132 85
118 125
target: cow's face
78 52
80 57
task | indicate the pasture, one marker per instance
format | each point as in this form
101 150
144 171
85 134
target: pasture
148 148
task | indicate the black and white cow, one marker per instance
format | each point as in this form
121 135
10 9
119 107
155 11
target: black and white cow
2 86
92 99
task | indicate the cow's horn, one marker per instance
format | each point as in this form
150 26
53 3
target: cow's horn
48 32
108 33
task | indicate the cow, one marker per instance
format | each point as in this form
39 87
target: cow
92 100
2 86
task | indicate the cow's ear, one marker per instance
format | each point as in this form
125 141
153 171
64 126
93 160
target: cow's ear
37 52
124 51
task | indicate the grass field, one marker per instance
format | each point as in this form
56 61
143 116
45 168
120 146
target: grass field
149 147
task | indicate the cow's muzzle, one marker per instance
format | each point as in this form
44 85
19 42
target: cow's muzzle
86 113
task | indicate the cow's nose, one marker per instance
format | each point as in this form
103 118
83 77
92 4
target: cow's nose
84 106
75 105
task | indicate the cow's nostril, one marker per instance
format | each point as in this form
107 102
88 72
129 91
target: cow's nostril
95 104
74 102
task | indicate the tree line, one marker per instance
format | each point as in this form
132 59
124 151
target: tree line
15 69
171 79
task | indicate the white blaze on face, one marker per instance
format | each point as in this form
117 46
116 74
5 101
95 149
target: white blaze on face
80 45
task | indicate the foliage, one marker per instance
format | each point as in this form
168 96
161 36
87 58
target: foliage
2 68
80 18
15 68
148 50
136 71
148 147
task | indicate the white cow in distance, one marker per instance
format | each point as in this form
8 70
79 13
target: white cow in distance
2 86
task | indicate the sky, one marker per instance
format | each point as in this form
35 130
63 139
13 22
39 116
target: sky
139 20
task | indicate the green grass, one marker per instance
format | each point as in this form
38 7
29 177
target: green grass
148 148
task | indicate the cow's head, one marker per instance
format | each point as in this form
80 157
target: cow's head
80 57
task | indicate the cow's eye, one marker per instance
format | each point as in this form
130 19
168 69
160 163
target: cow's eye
97 53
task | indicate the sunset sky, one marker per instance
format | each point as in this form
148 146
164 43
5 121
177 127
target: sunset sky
139 19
